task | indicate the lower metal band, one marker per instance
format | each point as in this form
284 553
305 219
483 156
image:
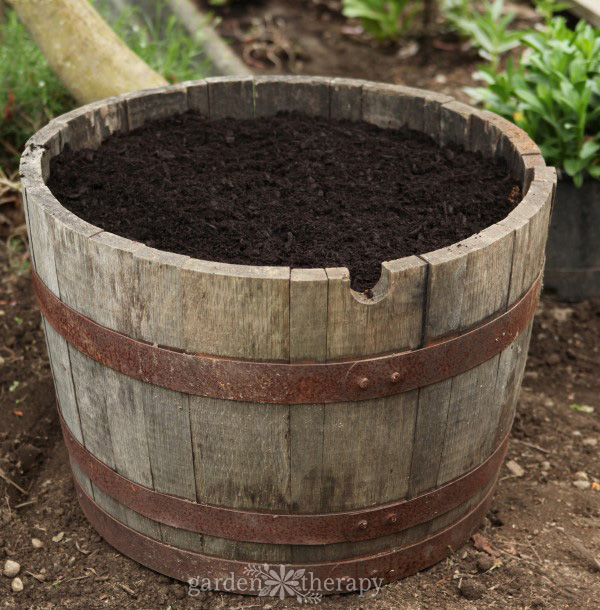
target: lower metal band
227 574
284 528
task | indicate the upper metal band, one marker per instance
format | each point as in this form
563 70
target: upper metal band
281 382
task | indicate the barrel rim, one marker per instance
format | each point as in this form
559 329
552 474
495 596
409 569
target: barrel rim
47 142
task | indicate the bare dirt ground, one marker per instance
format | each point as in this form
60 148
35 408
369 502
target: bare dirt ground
542 528
313 38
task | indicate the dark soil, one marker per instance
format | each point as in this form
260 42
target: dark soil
287 190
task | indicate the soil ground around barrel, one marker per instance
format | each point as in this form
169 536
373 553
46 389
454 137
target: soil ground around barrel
287 190
540 526
313 38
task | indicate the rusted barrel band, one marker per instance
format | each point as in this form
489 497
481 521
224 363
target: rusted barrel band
273 528
285 383
185 565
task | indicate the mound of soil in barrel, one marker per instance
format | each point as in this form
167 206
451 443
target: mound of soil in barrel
286 190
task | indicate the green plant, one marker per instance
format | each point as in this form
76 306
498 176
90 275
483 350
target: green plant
383 19
30 94
455 9
554 95
547 8
487 31
162 42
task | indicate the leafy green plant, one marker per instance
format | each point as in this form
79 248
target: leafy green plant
547 8
554 95
383 19
487 30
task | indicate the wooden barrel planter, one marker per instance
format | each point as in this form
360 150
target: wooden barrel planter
222 417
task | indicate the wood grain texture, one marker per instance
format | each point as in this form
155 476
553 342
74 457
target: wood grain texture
114 422
307 94
494 134
529 221
90 263
231 97
393 106
39 204
158 319
432 110
42 252
241 450
197 96
308 342
455 123
82 478
90 125
236 310
367 448
467 283
144 106
358 326
66 236
367 445
345 98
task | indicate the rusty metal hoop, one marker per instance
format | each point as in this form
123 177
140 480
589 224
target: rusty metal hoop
185 564
283 528
287 383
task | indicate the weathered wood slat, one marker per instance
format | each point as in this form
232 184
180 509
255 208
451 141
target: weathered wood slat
243 310
467 283
494 135
308 342
43 250
529 221
241 450
43 261
357 325
231 97
345 99
392 106
308 95
87 268
482 265
362 460
157 277
197 96
156 104
245 314
107 262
